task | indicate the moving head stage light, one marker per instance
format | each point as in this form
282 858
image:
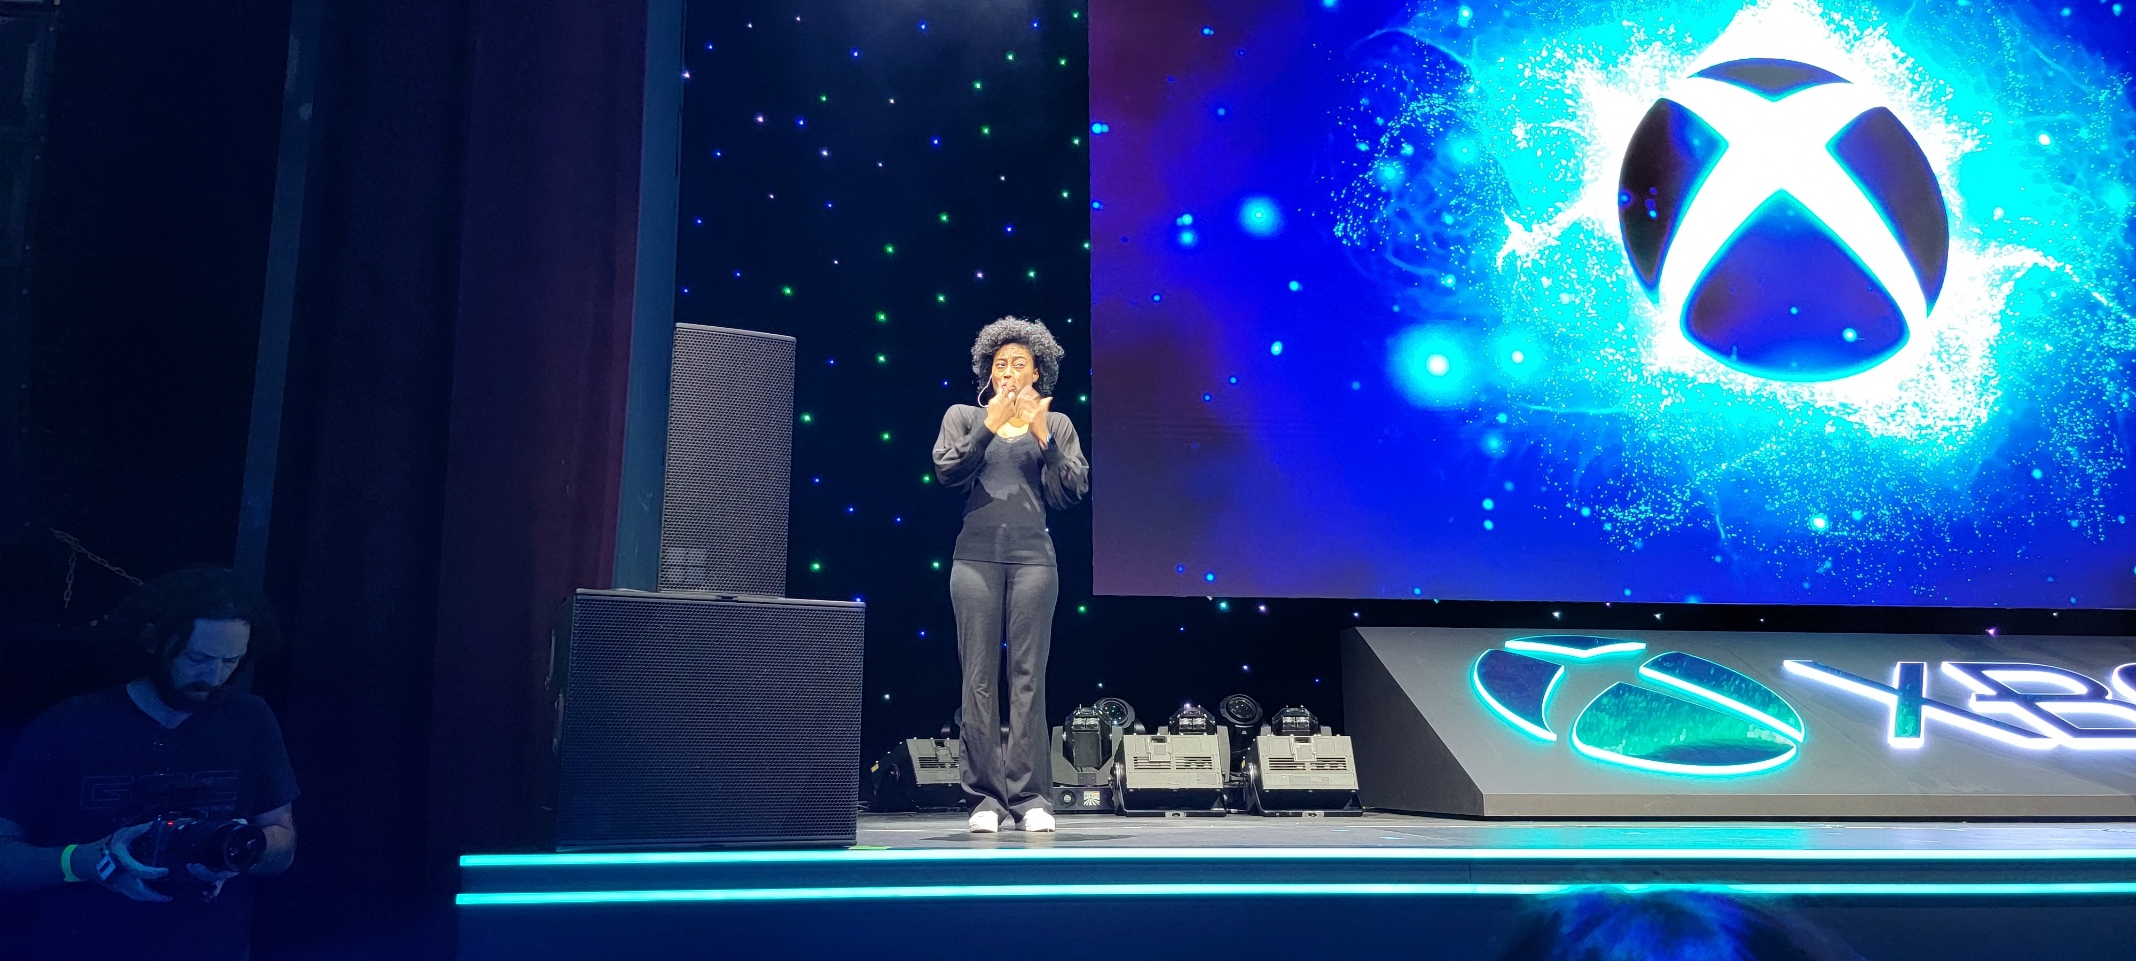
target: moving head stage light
1299 767
1241 713
1085 750
1176 773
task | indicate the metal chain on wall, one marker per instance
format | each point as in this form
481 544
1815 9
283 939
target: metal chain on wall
78 551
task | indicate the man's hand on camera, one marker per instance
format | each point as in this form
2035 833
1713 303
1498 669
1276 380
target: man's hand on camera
128 876
213 879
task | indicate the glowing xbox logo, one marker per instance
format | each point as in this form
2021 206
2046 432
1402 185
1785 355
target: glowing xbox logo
1785 218
1711 721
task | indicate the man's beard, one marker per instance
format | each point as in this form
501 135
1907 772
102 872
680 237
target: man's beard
189 698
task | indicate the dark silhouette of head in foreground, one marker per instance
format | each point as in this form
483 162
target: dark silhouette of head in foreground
1614 924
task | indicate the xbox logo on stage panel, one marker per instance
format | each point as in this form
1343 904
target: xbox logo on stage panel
1786 219
1698 718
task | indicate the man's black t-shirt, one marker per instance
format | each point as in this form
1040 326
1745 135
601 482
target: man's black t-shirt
97 763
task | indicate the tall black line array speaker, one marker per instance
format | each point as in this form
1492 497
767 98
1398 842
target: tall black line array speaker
695 720
730 448
714 712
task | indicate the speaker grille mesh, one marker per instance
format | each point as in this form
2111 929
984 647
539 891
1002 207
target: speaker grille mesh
709 721
729 454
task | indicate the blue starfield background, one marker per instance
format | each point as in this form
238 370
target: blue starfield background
1364 326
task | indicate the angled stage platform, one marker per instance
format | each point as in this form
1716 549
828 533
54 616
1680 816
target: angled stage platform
1381 885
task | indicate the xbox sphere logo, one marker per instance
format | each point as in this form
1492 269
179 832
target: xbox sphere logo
1700 718
1785 218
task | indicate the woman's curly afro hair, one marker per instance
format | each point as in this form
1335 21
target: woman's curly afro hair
1034 337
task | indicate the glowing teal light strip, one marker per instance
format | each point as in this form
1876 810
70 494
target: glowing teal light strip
1528 727
853 858
1690 770
1792 732
1535 645
997 891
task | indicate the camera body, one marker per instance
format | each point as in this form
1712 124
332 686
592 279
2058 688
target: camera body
179 838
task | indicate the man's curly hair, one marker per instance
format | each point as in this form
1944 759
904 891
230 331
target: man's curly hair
1045 351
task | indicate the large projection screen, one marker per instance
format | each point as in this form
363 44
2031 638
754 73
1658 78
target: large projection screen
1794 301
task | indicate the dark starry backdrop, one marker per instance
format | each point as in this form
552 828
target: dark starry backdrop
879 180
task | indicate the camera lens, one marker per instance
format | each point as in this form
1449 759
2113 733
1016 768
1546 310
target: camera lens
219 846
233 846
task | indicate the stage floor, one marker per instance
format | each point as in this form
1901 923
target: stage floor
1399 831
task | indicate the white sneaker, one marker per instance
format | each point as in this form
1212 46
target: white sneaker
983 822
1038 819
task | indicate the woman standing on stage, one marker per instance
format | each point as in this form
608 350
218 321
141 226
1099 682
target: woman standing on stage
1017 456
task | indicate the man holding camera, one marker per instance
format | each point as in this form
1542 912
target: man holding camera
134 816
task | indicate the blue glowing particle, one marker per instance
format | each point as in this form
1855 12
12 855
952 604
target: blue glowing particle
1097 205
1260 216
1276 349
1295 286
1487 525
1819 522
1208 31
1100 127
1185 220
2037 473
923 26
1488 504
1179 569
1429 364
1208 397
1234 379
1389 175
1187 238
855 52
1156 298
1210 576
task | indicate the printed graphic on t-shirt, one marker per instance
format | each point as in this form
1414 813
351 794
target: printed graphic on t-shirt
206 792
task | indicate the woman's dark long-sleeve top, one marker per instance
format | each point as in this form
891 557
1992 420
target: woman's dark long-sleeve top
1004 518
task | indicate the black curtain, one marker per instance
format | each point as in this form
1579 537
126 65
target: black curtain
451 438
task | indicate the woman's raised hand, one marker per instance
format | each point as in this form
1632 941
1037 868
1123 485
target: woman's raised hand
1032 410
1029 406
1000 409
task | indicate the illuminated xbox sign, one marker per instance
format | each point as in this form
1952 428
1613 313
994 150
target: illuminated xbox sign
1699 718
1784 218
2031 706
1696 717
